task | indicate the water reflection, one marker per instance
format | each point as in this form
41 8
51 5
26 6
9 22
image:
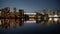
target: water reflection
51 20
6 23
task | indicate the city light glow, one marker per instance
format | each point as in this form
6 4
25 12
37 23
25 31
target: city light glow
55 15
0 22
30 13
31 19
30 22
31 16
39 19
50 15
50 18
55 19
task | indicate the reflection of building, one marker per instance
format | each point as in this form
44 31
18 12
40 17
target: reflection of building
39 18
0 23
46 16
52 15
26 17
58 13
14 23
6 23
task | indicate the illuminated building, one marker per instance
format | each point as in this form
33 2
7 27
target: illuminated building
21 17
3 13
0 12
14 12
7 12
39 18
14 17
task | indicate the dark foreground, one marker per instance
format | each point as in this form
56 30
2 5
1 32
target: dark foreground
32 29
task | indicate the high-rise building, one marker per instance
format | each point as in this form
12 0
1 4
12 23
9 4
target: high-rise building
39 18
21 16
3 13
14 10
6 23
0 13
7 12
21 11
7 9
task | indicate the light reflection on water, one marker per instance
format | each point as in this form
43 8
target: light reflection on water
16 24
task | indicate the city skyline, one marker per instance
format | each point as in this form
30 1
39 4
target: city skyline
30 6
29 16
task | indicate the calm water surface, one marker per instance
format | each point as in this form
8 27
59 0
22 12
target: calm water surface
26 27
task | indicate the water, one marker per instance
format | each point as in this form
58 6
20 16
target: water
24 28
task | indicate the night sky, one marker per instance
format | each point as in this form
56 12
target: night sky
31 5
